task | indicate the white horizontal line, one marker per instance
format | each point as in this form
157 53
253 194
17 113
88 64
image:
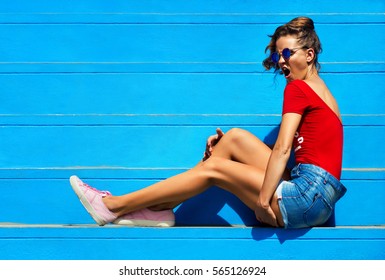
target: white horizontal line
198 14
170 115
172 62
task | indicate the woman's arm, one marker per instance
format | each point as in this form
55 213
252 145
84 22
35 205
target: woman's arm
277 165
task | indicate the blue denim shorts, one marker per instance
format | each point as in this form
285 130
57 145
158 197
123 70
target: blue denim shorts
309 198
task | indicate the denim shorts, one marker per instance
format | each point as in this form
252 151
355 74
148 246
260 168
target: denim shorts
309 198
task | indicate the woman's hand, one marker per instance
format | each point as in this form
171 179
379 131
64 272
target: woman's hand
265 215
211 142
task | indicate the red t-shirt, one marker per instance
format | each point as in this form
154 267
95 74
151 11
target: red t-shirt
319 137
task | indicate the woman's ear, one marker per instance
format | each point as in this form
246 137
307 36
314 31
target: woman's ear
310 55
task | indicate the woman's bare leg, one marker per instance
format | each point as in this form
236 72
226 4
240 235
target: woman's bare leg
243 180
237 165
241 146
238 145
244 147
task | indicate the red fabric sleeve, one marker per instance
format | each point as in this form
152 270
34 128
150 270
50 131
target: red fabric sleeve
294 100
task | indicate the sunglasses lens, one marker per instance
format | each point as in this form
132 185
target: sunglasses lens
275 57
286 53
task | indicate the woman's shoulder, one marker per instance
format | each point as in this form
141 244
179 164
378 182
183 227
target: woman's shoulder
302 84
296 87
309 86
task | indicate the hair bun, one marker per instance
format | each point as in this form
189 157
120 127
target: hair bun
302 22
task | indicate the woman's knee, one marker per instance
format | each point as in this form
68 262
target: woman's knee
238 137
238 134
235 133
212 168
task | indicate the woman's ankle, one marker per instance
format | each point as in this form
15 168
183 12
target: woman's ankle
110 203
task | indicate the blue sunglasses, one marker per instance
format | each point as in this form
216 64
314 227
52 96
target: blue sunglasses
286 54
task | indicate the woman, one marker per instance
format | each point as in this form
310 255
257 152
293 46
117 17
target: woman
243 165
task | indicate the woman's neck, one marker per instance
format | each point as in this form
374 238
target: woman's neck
312 74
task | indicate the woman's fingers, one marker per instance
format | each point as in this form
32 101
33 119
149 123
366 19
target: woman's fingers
211 142
219 133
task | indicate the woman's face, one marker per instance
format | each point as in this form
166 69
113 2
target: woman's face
298 66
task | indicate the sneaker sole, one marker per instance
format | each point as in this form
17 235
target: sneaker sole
144 223
85 202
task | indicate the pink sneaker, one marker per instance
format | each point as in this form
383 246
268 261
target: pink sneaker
147 218
91 199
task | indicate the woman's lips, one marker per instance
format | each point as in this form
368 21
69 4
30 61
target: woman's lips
286 71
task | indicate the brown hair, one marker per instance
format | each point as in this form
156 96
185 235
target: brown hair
303 28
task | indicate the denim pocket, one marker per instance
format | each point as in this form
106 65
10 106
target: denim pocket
318 212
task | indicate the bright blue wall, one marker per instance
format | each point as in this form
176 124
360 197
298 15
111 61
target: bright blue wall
124 93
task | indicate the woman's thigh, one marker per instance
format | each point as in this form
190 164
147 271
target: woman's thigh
243 180
242 146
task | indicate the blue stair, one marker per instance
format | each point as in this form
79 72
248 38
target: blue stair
125 93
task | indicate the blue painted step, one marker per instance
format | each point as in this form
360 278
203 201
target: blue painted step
92 242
